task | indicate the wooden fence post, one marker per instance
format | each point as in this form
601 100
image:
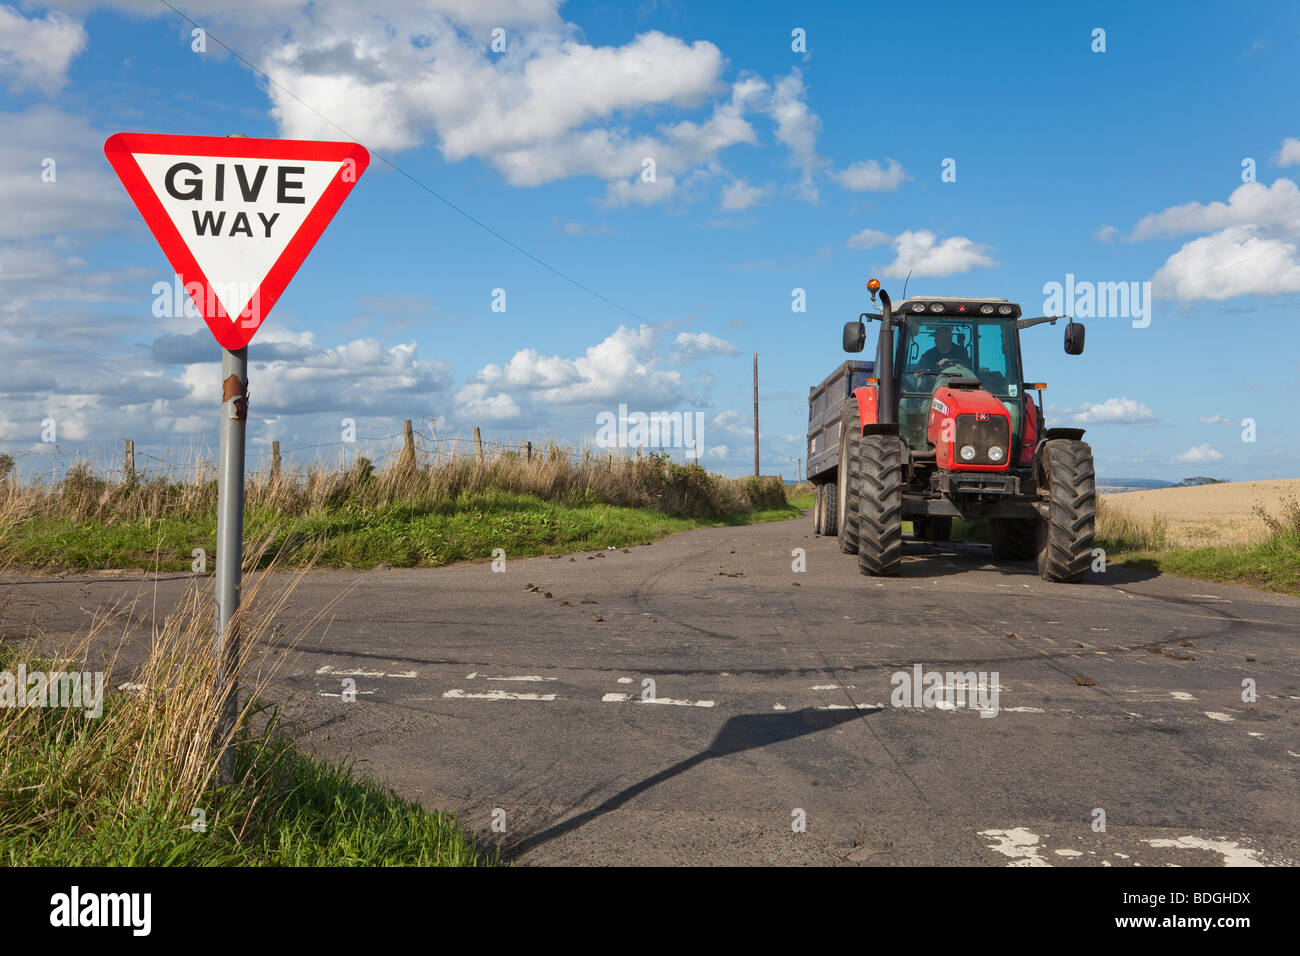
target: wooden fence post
478 444
275 462
128 463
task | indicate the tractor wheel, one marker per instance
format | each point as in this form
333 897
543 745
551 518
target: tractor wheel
1013 539
1065 536
819 497
932 529
830 509
849 479
880 505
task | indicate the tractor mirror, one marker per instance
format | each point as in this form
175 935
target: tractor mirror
855 336
1074 338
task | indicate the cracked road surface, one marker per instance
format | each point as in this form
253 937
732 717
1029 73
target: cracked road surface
696 701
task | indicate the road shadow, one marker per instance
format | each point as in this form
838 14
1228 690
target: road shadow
738 734
943 558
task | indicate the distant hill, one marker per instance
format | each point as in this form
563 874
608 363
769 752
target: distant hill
1111 485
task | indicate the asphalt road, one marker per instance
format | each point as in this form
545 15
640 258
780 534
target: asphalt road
517 698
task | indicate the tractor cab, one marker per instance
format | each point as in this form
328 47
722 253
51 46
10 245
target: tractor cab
940 341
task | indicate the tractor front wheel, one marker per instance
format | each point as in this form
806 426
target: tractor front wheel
1065 536
880 505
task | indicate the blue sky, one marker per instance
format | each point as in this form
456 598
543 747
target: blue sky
775 170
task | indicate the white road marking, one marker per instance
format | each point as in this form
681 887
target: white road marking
1233 853
1181 695
625 680
615 698
326 669
1255 734
832 687
1025 710
458 694
778 706
323 694
626 698
1215 715
1068 852
870 707
1018 844
525 677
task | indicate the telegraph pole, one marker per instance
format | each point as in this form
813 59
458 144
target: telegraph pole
755 414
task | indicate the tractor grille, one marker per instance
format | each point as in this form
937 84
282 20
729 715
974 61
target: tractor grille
982 435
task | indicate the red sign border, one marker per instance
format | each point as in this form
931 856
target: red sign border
120 149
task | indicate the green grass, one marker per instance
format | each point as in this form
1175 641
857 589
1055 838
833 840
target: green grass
287 808
413 534
1271 566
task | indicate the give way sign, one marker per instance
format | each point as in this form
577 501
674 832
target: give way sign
235 216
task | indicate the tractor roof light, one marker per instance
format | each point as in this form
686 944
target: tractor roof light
1005 310
936 307
918 306
986 309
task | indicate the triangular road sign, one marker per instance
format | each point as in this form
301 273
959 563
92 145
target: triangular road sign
234 216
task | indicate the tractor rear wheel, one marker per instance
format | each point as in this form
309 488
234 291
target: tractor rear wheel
830 509
849 479
1013 539
880 505
1065 535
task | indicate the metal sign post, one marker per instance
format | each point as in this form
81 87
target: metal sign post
235 217
230 546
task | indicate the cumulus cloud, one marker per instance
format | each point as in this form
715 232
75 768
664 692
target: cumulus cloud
1106 234
1198 453
695 345
1115 411
35 54
1289 154
740 195
798 128
922 253
475 402
1216 420
1252 246
870 176
622 367
868 238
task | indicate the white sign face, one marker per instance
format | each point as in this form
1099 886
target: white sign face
235 216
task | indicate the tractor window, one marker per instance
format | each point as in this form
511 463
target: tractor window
995 359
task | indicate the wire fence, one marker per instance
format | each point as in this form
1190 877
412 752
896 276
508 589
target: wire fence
51 461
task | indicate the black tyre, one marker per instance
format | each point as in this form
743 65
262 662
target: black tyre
880 505
819 497
830 509
1069 485
849 479
1013 539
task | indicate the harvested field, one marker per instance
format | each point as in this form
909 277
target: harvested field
1204 515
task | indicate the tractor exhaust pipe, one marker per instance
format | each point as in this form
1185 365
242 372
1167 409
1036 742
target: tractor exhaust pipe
888 410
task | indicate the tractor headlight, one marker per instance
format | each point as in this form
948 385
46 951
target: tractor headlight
967 452
995 453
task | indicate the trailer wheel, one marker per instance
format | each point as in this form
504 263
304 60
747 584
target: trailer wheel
819 495
880 505
830 504
1013 539
1065 536
849 478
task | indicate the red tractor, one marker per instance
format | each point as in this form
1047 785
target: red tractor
943 425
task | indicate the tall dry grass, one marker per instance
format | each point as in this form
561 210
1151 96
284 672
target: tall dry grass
553 474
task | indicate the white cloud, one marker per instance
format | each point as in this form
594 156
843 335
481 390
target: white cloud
1289 154
624 193
1106 234
694 345
473 402
870 176
36 53
740 195
1115 411
798 127
623 367
735 423
1253 245
715 451
868 238
1216 420
1199 453
922 253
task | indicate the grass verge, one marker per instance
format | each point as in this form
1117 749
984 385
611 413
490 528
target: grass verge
131 780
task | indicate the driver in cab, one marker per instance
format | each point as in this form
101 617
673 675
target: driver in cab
945 354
